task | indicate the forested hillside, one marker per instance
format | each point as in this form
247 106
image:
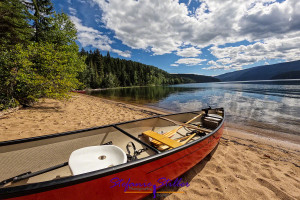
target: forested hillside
195 78
288 75
105 72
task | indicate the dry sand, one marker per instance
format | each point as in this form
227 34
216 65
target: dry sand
51 116
243 166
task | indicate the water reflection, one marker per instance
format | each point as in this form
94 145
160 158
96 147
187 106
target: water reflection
267 105
141 95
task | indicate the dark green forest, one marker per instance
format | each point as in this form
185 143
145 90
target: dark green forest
106 72
195 78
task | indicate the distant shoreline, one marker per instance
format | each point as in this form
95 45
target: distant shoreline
100 89
274 80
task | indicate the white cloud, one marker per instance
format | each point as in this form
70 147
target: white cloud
287 47
267 20
217 65
156 25
126 54
223 67
189 52
72 11
190 61
89 36
166 26
174 65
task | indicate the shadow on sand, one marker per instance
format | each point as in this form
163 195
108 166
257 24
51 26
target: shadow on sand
186 177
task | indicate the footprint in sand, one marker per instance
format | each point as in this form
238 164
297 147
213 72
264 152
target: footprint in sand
278 192
216 183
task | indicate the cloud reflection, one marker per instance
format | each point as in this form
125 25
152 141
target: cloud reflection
246 104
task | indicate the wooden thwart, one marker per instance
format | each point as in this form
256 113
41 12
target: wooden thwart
174 131
162 139
168 142
183 139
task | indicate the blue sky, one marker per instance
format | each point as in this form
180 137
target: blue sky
208 37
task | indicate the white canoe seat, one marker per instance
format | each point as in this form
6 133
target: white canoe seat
214 117
212 121
94 158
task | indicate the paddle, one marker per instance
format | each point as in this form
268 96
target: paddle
172 132
30 174
188 125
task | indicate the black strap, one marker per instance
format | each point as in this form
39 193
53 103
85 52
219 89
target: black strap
199 133
108 143
206 110
13 178
135 152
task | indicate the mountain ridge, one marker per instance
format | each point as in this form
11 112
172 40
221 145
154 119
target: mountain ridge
264 72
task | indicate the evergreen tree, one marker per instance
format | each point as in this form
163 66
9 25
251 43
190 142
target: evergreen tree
48 66
42 11
99 65
114 72
14 27
61 30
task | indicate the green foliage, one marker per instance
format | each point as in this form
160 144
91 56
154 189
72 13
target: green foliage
107 72
48 66
62 31
195 78
39 70
40 13
13 23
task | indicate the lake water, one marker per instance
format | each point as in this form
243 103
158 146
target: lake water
265 104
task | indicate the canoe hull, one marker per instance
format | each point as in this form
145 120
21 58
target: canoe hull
169 166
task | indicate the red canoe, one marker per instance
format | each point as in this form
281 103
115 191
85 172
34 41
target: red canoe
63 166
79 91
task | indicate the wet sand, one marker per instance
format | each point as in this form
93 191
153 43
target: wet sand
243 166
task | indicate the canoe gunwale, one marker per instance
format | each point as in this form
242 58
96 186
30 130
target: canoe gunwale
10 192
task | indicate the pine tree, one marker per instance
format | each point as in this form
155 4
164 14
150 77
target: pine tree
42 11
61 30
99 64
14 27
119 72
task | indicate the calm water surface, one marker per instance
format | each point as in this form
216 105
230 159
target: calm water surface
266 104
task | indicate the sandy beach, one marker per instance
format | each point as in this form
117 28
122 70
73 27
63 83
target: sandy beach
243 166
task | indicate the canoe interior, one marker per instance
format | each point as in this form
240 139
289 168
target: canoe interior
35 155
